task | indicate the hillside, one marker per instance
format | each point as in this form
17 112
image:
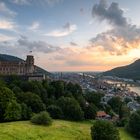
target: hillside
131 71
10 58
60 130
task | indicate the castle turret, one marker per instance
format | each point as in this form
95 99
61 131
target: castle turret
29 64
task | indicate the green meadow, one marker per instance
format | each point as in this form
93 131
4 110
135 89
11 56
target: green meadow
60 130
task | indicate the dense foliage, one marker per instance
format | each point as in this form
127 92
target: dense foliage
71 109
20 99
90 111
104 130
13 111
55 112
133 125
115 104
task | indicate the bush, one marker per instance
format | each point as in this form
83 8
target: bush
43 118
133 125
104 130
55 111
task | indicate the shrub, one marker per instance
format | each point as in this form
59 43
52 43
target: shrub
55 111
104 130
43 118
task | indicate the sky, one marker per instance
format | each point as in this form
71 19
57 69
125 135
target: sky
71 35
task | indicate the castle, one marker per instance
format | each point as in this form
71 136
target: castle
18 67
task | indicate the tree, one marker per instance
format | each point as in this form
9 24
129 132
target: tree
75 89
59 88
33 101
6 95
13 111
115 103
90 111
95 98
133 125
43 118
82 102
124 111
70 108
26 112
104 130
138 99
51 91
127 100
55 111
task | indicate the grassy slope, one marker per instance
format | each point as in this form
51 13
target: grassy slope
124 135
60 130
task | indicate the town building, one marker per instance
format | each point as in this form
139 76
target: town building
101 115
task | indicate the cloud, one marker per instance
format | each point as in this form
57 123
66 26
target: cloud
34 26
20 2
74 63
40 2
65 31
113 13
123 36
7 25
5 11
4 38
37 46
7 17
52 2
73 44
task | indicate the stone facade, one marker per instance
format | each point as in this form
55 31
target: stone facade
18 67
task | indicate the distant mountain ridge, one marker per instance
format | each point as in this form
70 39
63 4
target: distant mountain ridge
131 71
10 58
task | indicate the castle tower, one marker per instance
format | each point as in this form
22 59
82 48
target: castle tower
30 64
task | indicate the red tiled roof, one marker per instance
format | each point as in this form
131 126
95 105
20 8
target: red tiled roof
101 114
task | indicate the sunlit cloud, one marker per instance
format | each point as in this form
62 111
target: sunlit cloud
65 31
7 25
123 36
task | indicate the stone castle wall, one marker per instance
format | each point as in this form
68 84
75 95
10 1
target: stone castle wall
18 68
